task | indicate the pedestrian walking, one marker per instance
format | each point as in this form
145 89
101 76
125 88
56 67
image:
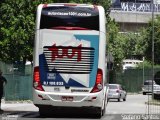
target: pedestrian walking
3 81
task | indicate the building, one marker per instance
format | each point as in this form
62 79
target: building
131 63
133 14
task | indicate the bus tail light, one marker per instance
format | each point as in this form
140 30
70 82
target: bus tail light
99 82
36 79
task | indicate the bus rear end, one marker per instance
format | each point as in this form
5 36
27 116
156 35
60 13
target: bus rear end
69 57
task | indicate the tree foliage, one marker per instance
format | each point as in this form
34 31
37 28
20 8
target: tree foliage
17 23
126 45
16 33
114 43
156 37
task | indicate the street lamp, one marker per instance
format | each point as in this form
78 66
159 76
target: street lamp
143 69
152 46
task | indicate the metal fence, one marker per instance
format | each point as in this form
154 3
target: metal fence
19 81
132 79
19 77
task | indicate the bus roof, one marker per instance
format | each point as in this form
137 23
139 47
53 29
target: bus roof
69 4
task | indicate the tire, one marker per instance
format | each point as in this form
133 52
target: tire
99 113
104 110
107 100
124 99
144 93
105 103
156 96
119 99
45 112
42 112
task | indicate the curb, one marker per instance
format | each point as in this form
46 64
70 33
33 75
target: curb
18 101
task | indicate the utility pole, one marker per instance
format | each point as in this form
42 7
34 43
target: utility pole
143 68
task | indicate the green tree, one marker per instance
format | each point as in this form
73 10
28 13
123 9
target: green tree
141 43
17 23
135 45
114 43
148 52
126 45
16 33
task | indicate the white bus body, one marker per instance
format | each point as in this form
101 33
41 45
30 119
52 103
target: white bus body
69 57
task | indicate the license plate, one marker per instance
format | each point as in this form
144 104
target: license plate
67 98
57 89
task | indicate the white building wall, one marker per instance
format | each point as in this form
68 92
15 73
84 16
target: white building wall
157 1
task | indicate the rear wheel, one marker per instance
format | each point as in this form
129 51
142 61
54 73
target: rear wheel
144 93
124 99
156 96
104 108
104 105
99 113
46 111
104 111
42 112
119 99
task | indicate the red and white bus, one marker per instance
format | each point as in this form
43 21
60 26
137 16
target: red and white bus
69 58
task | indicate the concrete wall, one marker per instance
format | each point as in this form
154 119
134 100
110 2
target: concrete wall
131 21
131 16
131 27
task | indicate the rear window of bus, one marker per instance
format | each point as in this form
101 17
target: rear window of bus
68 16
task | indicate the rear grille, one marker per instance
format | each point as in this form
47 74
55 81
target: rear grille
72 60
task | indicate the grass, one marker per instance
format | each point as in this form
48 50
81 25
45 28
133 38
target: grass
153 102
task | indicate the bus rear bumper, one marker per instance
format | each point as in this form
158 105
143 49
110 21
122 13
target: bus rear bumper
41 99
49 109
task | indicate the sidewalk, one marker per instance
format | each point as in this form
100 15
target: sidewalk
18 106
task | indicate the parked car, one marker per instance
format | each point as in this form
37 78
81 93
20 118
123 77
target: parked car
147 88
116 92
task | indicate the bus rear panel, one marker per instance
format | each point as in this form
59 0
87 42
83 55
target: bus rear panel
69 57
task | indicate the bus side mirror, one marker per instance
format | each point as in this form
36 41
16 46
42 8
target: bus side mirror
157 78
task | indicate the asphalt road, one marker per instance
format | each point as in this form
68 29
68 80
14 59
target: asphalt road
134 105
